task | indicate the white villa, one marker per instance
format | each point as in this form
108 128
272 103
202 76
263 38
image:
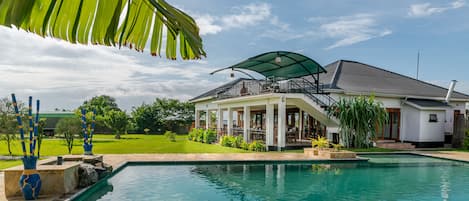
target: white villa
288 107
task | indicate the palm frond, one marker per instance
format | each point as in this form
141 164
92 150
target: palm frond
132 23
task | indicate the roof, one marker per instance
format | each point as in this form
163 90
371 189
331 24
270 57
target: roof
427 103
56 114
222 88
356 77
280 64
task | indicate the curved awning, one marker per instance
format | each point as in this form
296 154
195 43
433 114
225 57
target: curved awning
290 65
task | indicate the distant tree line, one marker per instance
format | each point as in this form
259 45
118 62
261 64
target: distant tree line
155 118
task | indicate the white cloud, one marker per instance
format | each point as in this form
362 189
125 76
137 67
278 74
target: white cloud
241 17
63 75
427 9
348 30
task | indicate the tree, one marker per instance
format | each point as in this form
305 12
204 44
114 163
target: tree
69 128
111 23
359 120
40 134
163 115
8 122
102 104
117 121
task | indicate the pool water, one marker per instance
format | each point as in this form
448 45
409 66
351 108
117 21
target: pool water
383 177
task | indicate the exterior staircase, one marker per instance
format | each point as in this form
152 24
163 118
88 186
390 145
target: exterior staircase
392 144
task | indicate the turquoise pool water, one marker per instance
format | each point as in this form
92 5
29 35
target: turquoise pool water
384 177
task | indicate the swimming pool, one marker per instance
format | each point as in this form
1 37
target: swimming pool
383 177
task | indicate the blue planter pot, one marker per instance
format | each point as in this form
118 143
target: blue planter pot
30 181
88 149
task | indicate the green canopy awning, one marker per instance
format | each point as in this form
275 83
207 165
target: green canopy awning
280 64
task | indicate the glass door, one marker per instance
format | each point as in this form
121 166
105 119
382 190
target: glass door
391 128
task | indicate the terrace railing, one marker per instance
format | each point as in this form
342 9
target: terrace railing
298 85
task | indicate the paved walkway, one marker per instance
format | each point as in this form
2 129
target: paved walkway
453 155
117 160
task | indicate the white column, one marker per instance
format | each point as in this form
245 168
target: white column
269 138
300 132
219 119
197 119
207 119
247 122
282 106
230 121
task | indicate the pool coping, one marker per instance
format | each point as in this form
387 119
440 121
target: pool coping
120 166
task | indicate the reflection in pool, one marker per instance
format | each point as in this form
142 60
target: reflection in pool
384 177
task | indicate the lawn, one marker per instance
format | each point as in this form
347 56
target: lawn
128 144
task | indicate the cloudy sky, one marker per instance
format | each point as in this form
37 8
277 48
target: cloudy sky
383 33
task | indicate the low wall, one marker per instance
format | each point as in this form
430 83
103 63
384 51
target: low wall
56 179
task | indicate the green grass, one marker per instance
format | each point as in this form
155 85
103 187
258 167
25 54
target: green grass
9 163
128 144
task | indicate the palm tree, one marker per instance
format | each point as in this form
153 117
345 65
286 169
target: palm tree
131 23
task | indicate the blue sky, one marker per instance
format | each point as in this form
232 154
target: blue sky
387 34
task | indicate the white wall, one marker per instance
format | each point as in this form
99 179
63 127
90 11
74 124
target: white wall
432 131
410 124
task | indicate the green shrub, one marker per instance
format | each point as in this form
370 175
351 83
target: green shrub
209 136
466 141
192 134
171 136
237 141
200 135
226 141
245 145
257 146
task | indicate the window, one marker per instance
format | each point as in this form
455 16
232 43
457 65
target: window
433 118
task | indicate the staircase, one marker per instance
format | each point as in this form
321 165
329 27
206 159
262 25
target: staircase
392 144
323 99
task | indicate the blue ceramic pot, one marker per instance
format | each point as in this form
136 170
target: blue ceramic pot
30 181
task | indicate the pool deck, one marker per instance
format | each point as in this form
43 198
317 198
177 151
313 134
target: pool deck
117 160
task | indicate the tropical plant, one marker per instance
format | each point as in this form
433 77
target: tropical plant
210 136
337 147
320 143
101 104
117 121
226 141
244 145
171 136
359 119
257 146
111 22
69 128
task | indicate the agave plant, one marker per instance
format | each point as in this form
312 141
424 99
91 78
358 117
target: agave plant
359 119
108 22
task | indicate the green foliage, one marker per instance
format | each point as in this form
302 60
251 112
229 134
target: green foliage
244 145
102 104
133 23
466 141
171 136
210 136
8 123
257 146
337 147
226 141
117 121
200 136
237 141
320 143
359 119
163 114
68 128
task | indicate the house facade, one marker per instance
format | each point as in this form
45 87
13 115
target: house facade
288 108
